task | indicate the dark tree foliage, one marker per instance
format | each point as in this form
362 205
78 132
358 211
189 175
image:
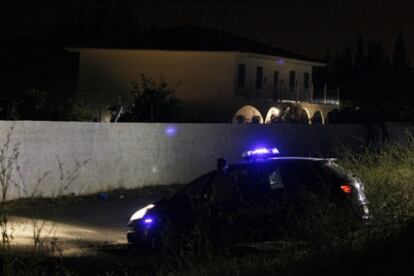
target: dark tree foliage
36 105
152 102
359 53
33 106
292 113
399 57
374 87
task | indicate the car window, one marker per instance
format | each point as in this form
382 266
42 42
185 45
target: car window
200 185
275 180
197 187
260 182
222 187
306 178
340 172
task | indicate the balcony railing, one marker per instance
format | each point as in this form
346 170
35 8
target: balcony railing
296 94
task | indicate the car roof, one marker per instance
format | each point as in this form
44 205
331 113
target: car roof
289 159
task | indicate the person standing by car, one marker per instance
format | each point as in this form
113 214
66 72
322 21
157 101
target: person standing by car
221 185
223 192
224 202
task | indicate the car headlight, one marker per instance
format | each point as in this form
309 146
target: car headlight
141 212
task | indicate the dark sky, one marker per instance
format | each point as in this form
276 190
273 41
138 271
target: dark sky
308 27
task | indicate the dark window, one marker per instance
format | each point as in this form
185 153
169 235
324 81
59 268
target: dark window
259 77
304 179
241 76
306 78
276 80
260 183
196 188
276 85
254 184
275 180
292 80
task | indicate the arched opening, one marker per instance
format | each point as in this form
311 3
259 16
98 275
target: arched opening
273 116
248 114
317 118
304 116
332 117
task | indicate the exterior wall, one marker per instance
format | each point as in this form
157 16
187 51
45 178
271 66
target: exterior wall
269 97
203 79
270 65
324 109
132 155
264 106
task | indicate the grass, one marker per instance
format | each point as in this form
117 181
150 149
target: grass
388 173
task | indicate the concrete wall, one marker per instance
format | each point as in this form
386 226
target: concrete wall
132 155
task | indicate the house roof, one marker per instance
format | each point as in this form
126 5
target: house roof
186 37
202 39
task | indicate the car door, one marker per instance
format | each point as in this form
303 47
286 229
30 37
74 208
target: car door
278 193
310 195
263 191
189 204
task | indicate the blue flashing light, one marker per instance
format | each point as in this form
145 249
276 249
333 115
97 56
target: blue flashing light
148 221
260 153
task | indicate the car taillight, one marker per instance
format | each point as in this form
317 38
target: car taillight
347 189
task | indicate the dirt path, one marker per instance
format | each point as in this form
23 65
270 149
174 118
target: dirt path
79 226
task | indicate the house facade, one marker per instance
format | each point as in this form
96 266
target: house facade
218 84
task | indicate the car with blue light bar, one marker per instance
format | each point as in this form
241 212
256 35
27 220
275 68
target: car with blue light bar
252 200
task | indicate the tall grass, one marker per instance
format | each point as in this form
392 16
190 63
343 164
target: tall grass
9 155
387 170
14 261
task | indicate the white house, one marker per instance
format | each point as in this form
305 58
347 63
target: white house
215 74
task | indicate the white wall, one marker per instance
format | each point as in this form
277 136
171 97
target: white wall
133 155
270 65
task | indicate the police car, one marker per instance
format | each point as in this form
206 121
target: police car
255 199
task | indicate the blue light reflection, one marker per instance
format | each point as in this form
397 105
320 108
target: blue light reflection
170 131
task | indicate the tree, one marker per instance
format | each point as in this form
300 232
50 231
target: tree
293 113
73 111
399 57
152 102
375 87
255 120
35 104
359 54
241 119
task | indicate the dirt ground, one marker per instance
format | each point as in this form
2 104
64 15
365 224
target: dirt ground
79 224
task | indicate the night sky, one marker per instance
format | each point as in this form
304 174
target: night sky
307 27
